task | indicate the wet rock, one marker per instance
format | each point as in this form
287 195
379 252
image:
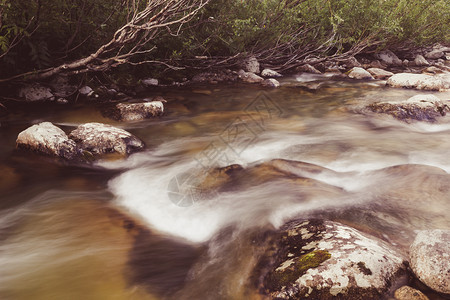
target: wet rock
326 260
359 73
86 91
99 139
420 81
435 54
149 82
389 58
308 69
250 77
129 112
421 61
378 73
271 82
408 293
36 92
430 259
270 73
48 139
420 107
251 65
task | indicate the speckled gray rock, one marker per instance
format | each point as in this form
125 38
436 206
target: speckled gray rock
425 107
36 92
252 65
99 139
48 139
408 293
439 82
430 259
270 73
327 260
435 54
307 68
389 58
359 73
250 77
129 112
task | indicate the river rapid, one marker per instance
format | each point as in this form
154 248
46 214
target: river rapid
138 229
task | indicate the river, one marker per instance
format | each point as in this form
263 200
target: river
138 229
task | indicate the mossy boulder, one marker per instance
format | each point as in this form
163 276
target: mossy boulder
326 260
428 108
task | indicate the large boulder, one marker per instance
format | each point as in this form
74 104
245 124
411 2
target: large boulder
430 259
36 92
359 73
129 112
420 108
48 139
435 54
378 73
389 58
439 82
327 260
99 139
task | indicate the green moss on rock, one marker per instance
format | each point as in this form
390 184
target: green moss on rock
291 269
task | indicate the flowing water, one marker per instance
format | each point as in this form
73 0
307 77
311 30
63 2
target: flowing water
138 228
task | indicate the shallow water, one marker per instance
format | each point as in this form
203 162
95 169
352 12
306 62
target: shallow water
138 228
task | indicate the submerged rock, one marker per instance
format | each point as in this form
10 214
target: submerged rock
408 293
430 259
378 73
420 108
420 81
327 260
98 139
129 112
48 139
359 73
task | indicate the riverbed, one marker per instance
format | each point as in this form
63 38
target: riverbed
138 229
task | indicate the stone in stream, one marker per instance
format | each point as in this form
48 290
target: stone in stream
48 139
430 259
439 82
99 139
271 82
270 73
378 73
249 77
319 259
36 92
129 112
408 293
307 68
359 73
421 61
420 108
